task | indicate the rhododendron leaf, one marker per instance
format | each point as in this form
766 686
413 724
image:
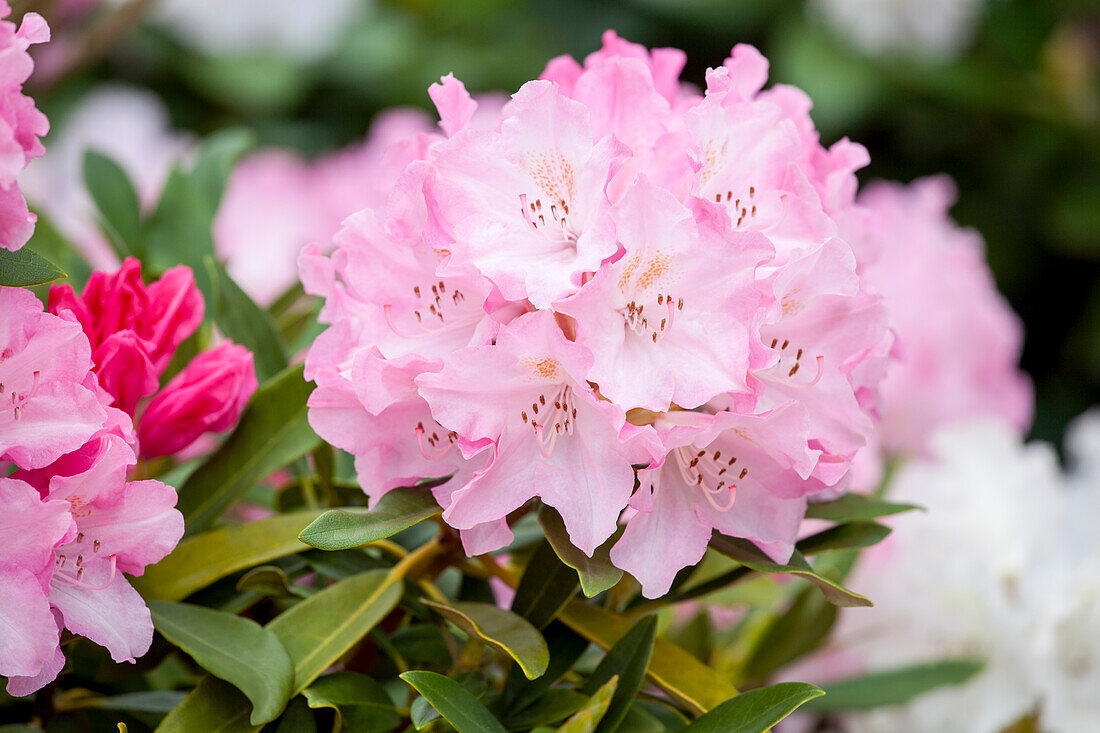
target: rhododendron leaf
151 701
752 557
454 702
682 676
506 631
894 686
844 537
755 711
219 152
178 232
546 586
200 560
341 529
235 649
24 268
800 629
273 431
360 703
245 323
319 630
553 707
596 573
565 646
213 705
588 717
117 201
854 508
627 661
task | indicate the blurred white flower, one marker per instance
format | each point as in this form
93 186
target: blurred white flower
928 29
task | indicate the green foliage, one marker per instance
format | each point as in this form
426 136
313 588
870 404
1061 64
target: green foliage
454 703
341 529
596 573
25 268
894 686
626 662
360 703
546 586
755 711
503 630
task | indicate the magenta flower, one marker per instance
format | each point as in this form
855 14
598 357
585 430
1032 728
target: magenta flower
47 406
207 396
21 124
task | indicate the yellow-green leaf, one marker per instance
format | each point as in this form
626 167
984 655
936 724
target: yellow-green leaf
509 632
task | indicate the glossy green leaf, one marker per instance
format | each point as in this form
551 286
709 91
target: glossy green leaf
565 646
509 632
273 432
590 716
245 323
553 707
853 535
148 701
854 508
687 680
627 661
319 630
361 705
894 686
752 557
546 586
205 558
454 702
298 718
235 649
800 629
596 573
117 201
342 529
213 706
25 268
755 711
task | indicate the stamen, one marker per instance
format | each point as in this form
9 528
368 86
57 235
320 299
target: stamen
419 430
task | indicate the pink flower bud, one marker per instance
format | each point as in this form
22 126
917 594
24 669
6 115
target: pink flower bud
208 395
124 369
175 310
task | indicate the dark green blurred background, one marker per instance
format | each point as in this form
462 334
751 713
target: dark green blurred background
1015 118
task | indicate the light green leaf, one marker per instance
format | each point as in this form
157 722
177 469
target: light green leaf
178 232
235 649
752 557
596 573
590 716
755 711
213 706
546 586
626 661
854 508
205 558
25 268
509 632
319 630
853 535
687 680
361 705
273 432
454 702
117 201
894 686
342 529
217 156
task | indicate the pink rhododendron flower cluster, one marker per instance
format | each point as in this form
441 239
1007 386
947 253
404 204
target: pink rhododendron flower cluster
21 124
617 295
72 522
134 330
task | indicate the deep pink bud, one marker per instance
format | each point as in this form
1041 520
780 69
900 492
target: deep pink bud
208 395
124 369
175 310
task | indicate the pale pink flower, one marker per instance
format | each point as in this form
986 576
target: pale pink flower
21 124
48 404
958 341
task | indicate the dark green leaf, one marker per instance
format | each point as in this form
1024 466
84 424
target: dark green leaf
591 715
25 268
454 702
200 560
117 201
273 431
755 711
801 629
546 586
553 707
360 703
298 718
317 631
213 706
894 686
844 537
854 508
178 232
245 323
150 701
235 649
752 557
565 647
597 574
509 632
341 529
627 660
